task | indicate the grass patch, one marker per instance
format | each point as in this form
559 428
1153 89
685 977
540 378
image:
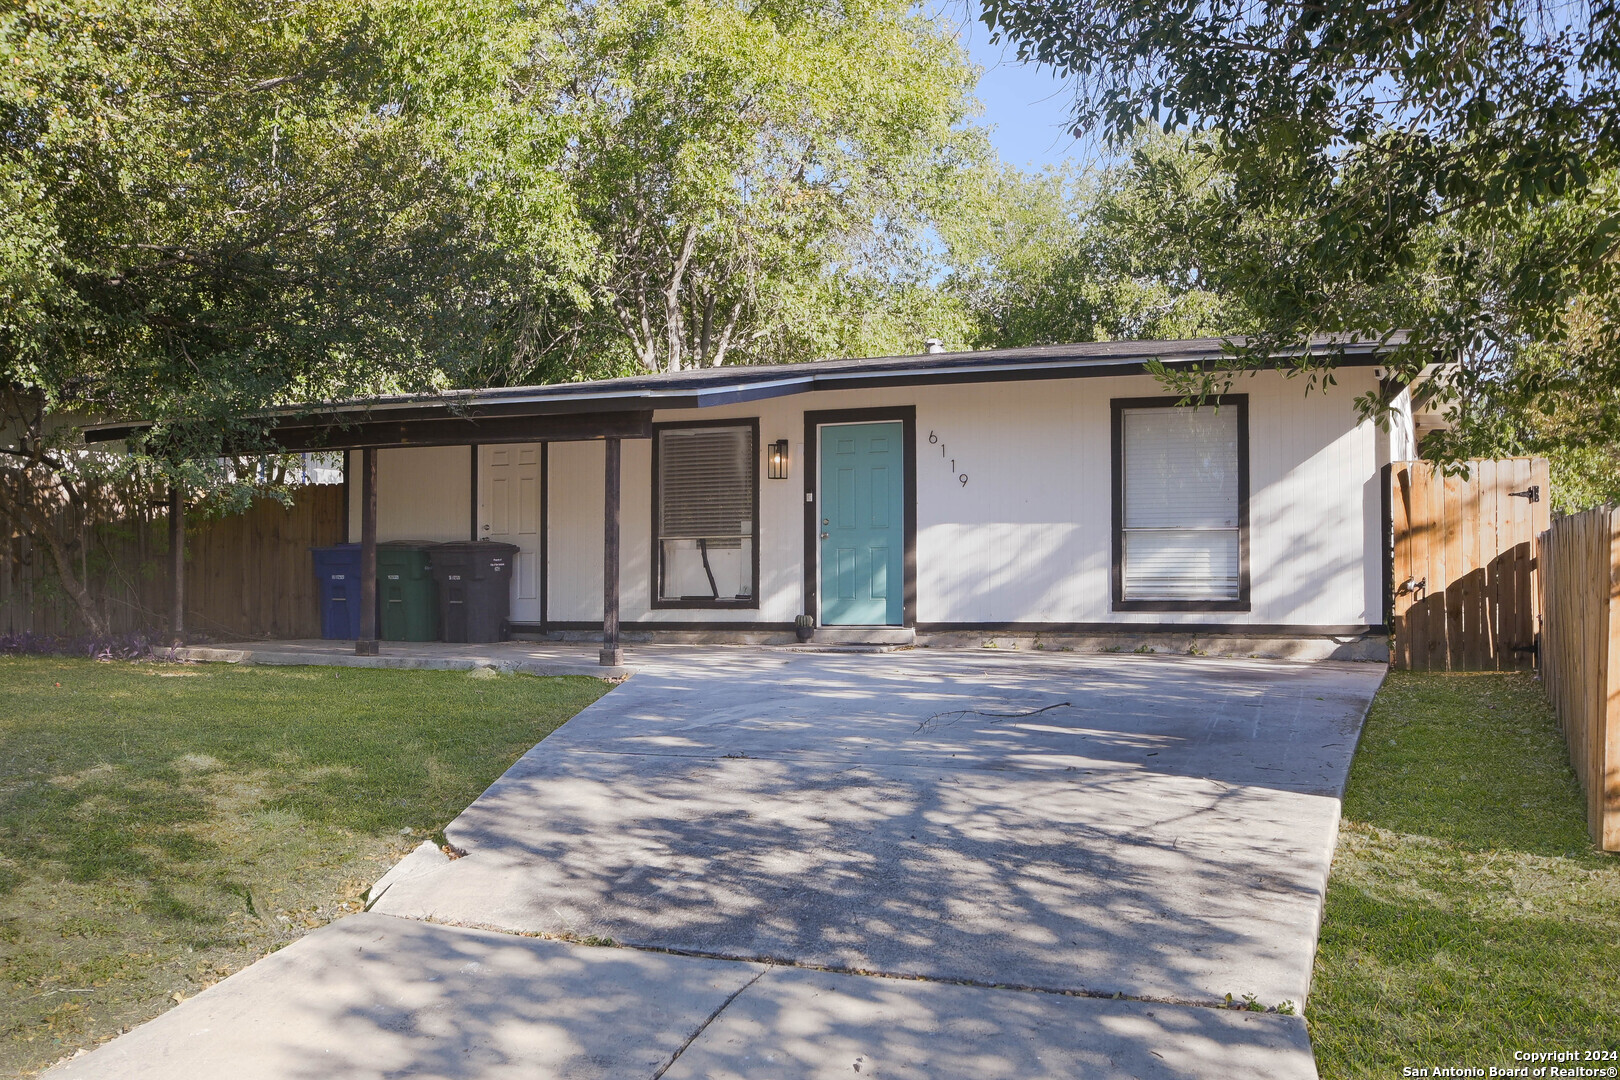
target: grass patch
1468 914
163 825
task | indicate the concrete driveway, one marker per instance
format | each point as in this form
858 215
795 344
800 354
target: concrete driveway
771 832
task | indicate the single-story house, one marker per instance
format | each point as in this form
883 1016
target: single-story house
1047 490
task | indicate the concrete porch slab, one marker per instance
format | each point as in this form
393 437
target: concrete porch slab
526 657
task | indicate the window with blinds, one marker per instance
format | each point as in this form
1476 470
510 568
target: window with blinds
704 515
1181 518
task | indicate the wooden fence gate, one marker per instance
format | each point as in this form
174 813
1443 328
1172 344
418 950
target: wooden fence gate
1463 564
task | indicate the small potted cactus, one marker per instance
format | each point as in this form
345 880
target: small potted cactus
803 627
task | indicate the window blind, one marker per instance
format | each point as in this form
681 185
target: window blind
1181 516
705 483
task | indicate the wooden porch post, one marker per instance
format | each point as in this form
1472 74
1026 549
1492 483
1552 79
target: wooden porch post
367 644
177 562
612 653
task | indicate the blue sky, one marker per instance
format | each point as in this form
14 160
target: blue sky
1026 106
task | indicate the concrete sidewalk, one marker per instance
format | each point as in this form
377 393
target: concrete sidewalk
373 997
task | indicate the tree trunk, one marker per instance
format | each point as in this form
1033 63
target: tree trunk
674 332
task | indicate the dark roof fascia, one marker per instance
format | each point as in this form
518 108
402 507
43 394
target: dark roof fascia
715 387
1092 369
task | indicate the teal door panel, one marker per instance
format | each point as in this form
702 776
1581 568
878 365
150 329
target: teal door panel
861 525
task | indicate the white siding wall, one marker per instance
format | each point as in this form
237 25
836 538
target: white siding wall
574 547
1027 539
423 493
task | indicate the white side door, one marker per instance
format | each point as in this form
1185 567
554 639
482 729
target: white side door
509 491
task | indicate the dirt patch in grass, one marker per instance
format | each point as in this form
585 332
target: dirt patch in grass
1468 914
159 833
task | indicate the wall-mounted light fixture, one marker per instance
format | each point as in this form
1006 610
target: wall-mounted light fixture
777 461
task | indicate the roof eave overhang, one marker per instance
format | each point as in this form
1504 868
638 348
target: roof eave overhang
545 415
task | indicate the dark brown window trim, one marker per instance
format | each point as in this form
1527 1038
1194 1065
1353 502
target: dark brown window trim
699 603
1240 402
907 415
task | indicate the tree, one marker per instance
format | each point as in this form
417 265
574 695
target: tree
1436 165
215 207
212 208
741 166
1106 254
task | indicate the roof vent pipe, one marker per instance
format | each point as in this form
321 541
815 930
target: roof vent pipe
934 345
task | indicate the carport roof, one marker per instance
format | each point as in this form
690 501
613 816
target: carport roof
623 407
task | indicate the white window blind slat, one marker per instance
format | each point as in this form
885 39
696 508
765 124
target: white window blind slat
1181 510
1181 468
1177 564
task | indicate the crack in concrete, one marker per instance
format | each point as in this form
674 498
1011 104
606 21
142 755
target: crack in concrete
772 962
701 1028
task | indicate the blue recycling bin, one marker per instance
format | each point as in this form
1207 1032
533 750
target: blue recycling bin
337 570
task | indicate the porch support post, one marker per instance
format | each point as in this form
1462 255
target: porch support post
612 653
367 644
177 562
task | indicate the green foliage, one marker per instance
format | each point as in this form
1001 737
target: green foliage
1113 254
216 208
227 205
163 825
240 207
208 209
1448 168
753 175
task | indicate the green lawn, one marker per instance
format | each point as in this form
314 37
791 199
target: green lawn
1468 914
163 825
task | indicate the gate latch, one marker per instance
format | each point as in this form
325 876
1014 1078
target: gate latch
1533 493
1410 586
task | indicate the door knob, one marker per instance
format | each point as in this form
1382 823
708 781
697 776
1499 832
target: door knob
825 535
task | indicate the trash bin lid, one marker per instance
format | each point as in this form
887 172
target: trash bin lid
474 558
473 547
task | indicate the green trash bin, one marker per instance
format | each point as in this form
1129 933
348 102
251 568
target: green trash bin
407 599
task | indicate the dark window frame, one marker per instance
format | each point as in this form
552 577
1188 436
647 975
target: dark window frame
1118 406
657 560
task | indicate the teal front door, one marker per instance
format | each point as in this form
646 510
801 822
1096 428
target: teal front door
862 528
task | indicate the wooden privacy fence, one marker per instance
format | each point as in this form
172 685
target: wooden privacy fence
247 576
1580 655
250 575
1463 564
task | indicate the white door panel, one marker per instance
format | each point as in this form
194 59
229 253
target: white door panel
510 488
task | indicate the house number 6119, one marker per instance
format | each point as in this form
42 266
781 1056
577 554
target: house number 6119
933 439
